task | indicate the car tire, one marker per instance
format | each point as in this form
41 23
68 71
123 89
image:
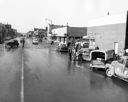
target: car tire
108 72
92 68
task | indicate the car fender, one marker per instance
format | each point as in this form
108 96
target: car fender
110 67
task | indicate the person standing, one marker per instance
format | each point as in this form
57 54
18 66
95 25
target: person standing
23 42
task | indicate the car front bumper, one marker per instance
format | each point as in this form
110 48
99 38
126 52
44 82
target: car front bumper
98 66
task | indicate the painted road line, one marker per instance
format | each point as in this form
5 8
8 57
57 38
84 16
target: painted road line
22 79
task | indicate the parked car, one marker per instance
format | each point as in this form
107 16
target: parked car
99 58
82 54
62 47
35 41
81 51
118 68
11 44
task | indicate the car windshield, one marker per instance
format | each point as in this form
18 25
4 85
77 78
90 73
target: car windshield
86 45
126 65
96 55
63 45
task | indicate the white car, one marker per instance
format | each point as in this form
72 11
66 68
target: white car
35 41
118 68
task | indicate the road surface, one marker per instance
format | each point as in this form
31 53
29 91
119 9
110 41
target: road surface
37 73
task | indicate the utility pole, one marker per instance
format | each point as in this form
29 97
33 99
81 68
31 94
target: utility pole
48 27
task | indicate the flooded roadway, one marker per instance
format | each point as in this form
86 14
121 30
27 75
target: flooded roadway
50 76
10 75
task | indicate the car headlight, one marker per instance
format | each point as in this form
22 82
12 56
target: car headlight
126 72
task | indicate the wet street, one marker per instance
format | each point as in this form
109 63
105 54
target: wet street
38 73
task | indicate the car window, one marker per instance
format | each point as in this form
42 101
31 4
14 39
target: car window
86 45
63 45
121 61
126 65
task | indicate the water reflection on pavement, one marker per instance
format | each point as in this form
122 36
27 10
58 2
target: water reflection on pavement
10 64
51 77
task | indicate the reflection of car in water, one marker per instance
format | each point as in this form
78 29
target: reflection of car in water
99 58
11 44
62 47
118 68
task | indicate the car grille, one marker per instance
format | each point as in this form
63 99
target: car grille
97 62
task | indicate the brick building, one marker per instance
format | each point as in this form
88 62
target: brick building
68 32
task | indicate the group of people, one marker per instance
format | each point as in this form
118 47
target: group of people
75 46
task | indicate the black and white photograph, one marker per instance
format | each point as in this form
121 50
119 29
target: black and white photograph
63 50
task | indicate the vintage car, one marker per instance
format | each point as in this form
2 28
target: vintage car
118 68
85 51
62 47
82 52
82 49
11 44
99 58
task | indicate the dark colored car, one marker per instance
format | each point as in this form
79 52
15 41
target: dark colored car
11 44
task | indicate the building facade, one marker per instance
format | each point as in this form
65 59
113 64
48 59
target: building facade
7 32
67 33
40 33
107 30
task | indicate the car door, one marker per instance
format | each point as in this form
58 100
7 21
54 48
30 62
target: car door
119 67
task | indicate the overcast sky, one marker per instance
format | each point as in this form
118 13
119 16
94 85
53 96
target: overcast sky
24 15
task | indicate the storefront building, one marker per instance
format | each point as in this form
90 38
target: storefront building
67 33
109 29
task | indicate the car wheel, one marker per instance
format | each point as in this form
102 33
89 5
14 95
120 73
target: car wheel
109 73
92 68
